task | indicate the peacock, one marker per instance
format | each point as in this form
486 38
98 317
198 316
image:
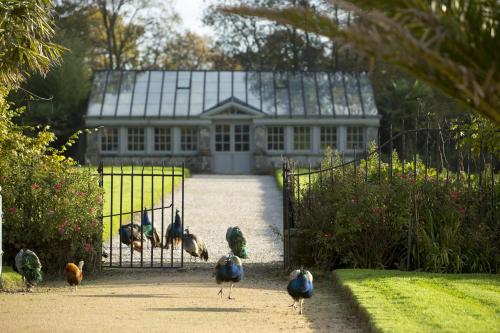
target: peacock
174 232
300 286
150 231
28 265
195 246
237 242
130 234
228 269
74 273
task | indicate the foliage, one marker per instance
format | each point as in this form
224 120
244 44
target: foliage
132 36
50 206
421 301
10 280
25 41
364 216
189 51
64 89
451 46
257 45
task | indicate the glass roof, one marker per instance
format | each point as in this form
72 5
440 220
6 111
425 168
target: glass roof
191 93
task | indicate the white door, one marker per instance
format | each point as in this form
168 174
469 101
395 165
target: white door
232 149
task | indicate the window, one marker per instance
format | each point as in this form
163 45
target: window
328 137
301 138
222 138
355 138
109 139
162 139
275 138
189 139
241 138
135 138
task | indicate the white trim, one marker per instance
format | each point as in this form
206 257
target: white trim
232 104
367 122
145 122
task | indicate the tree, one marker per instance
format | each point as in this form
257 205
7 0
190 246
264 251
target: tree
450 45
189 51
258 45
25 41
134 32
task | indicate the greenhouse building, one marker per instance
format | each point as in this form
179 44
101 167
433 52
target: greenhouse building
228 121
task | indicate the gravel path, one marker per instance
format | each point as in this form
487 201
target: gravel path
183 300
212 204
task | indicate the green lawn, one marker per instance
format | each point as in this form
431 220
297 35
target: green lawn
10 279
304 180
149 198
426 302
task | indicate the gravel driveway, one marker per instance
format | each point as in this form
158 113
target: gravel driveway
212 204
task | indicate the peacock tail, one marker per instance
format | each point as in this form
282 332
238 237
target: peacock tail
31 267
237 242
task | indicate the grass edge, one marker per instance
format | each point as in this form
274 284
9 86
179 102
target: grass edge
356 308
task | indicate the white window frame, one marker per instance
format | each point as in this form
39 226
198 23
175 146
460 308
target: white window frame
271 134
294 141
322 135
115 138
349 143
195 141
156 139
136 135
222 138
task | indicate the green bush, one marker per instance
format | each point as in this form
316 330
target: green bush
361 218
50 205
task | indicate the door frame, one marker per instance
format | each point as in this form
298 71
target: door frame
232 123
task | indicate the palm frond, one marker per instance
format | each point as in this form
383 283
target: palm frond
452 46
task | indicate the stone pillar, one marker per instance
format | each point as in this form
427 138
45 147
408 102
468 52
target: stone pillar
260 149
92 151
204 151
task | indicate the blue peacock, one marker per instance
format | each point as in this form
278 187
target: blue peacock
300 286
130 234
237 242
174 232
28 265
228 269
150 231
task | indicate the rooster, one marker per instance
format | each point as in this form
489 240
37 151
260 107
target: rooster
300 286
28 265
174 232
237 242
130 234
150 231
228 269
195 246
74 274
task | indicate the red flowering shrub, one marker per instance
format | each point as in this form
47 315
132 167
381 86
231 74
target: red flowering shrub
353 222
43 210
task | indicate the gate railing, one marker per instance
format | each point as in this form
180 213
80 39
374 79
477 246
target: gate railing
128 192
444 150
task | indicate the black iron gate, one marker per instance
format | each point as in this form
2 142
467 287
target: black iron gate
142 199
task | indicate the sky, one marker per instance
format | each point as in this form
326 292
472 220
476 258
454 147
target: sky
191 12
